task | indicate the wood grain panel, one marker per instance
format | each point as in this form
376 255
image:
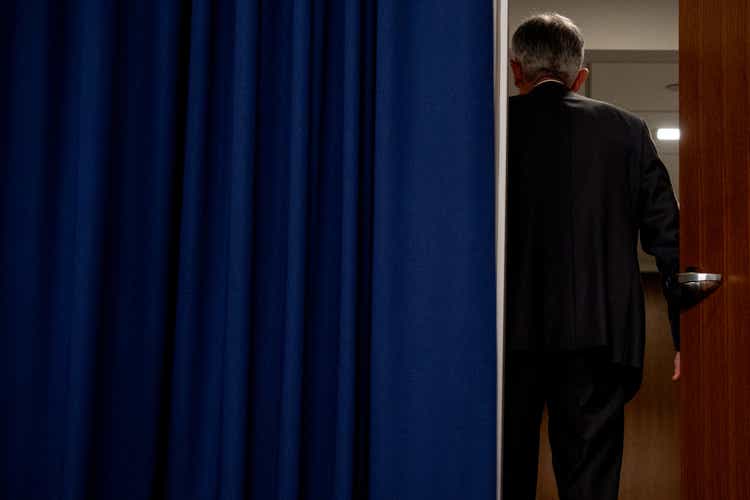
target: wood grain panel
715 232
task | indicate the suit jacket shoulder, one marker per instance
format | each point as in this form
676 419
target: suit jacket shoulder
604 110
521 106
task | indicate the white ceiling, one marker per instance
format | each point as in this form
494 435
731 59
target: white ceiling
611 24
636 86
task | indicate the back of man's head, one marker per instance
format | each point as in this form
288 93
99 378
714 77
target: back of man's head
548 45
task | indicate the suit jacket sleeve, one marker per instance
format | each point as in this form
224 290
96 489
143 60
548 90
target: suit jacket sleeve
659 224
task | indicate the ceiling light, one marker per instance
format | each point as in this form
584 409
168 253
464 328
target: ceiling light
668 134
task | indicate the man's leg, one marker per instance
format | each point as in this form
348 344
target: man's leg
586 426
523 404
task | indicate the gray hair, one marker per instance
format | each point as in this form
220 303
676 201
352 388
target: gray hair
548 45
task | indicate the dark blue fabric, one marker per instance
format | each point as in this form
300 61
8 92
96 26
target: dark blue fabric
247 250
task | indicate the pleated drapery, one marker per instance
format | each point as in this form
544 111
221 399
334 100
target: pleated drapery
247 250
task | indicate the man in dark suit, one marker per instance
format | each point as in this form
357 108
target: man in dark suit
584 180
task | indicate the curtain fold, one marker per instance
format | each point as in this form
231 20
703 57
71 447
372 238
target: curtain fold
247 250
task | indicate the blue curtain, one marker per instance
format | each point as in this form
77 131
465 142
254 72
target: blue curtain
247 250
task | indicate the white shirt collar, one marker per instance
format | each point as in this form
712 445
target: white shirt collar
549 80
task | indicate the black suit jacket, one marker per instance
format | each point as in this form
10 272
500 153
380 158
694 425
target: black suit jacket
584 179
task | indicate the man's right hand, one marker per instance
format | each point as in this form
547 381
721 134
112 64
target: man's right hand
676 375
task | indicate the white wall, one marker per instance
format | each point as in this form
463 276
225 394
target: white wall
611 24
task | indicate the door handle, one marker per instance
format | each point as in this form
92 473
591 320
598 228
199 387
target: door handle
696 286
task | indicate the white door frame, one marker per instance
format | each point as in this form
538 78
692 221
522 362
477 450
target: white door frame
500 10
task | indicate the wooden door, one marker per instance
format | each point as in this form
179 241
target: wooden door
715 236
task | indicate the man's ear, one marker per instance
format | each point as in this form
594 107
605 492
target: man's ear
583 73
517 73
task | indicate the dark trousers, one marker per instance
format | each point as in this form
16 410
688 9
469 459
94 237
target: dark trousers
585 396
